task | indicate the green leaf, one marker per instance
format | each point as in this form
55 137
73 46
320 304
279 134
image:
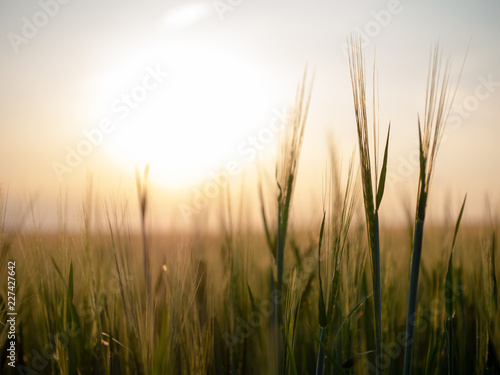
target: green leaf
293 366
252 300
331 358
75 347
323 322
422 154
59 273
423 188
70 283
321 232
449 288
270 242
334 288
492 270
383 172
457 226
450 282
353 311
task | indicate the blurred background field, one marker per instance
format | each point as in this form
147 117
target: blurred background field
204 319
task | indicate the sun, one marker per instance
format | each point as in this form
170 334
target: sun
183 111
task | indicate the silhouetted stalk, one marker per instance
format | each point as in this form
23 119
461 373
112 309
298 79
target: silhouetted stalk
437 108
372 197
142 191
286 176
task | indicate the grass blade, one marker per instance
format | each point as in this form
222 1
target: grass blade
449 284
353 311
437 107
320 363
450 300
383 172
329 356
321 302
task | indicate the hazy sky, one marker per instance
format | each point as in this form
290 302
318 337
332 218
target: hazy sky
192 86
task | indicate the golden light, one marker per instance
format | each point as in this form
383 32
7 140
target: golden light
185 114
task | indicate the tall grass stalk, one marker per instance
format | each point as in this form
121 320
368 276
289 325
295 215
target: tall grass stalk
342 207
286 175
142 191
438 104
449 296
356 65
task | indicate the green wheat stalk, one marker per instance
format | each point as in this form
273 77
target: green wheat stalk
286 176
356 65
142 192
438 104
450 297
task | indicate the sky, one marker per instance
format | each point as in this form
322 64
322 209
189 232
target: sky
91 90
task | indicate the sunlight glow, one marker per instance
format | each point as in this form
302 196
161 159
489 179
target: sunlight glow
188 125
